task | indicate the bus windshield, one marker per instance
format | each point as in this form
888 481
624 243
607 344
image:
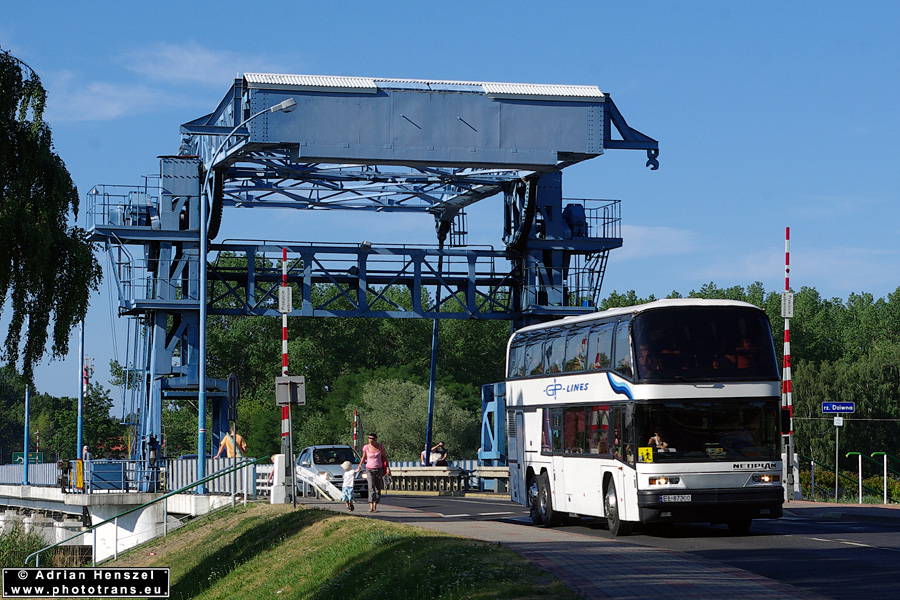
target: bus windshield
709 343
709 431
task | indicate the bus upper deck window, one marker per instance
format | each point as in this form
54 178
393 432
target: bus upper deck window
600 346
623 350
534 354
556 353
576 351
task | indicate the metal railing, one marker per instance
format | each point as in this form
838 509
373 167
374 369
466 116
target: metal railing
839 476
93 528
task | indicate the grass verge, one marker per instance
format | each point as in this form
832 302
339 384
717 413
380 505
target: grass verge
275 551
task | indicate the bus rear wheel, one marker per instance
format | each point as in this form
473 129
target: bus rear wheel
614 522
544 503
534 510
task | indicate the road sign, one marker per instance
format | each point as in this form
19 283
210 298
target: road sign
787 305
839 407
290 390
33 458
839 421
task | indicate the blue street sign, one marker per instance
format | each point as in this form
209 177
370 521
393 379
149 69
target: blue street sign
838 407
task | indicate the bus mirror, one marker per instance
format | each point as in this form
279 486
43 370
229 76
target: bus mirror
786 421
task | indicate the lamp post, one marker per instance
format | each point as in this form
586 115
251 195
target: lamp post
283 106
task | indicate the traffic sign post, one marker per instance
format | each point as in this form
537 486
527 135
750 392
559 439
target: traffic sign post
837 408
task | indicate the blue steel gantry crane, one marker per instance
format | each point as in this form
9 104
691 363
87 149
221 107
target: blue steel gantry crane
357 144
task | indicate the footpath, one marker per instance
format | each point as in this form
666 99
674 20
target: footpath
586 563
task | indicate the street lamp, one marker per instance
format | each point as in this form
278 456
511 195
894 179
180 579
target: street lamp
283 106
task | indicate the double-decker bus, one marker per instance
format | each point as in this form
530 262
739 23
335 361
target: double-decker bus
668 411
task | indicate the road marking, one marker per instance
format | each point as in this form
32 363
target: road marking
487 514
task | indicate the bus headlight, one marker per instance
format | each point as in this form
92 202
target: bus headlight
665 480
765 478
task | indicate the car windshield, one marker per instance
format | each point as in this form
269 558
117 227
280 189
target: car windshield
334 456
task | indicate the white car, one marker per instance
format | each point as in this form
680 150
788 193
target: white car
325 462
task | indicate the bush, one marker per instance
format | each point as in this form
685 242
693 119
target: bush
16 545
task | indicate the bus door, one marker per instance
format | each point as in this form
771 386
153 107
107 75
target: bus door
557 472
618 443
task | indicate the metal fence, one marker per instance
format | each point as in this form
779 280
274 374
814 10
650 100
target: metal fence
38 474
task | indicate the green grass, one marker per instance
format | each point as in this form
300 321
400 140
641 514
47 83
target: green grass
268 551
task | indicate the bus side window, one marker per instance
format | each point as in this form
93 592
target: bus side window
516 360
576 350
556 429
545 432
623 350
556 353
600 346
598 427
574 430
534 354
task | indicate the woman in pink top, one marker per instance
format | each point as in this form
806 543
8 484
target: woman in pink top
375 460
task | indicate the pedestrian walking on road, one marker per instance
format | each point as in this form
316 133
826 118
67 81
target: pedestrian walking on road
375 461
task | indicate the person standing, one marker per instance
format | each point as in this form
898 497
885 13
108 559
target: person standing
231 442
374 459
86 458
347 484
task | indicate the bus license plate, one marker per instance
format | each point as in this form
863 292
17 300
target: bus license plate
675 498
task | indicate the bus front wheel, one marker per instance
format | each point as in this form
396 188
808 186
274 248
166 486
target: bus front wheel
614 522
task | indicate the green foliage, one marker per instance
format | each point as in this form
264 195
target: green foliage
16 545
398 410
47 269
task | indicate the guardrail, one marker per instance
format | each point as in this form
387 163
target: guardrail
462 475
93 528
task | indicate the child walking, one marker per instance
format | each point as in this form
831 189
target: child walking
347 486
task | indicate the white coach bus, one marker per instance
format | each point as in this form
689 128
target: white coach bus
664 412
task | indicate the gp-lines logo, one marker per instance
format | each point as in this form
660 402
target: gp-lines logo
556 390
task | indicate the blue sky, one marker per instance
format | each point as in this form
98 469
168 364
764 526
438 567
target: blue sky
768 114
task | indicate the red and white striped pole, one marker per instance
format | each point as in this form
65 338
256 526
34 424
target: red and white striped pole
284 344
286 445
786 400
787 311
356 430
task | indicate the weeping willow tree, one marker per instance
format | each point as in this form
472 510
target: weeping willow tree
47 268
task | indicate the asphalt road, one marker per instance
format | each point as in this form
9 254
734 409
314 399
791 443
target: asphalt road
837 559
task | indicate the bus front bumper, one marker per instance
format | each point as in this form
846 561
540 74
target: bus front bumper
710 505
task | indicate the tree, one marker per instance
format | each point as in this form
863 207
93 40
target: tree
47 269
397 411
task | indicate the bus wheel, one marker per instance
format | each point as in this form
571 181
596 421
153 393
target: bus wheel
616 525
740 527
534 509
549 517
